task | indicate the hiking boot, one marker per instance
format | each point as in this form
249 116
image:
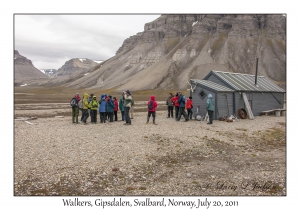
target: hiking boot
154 123
147 122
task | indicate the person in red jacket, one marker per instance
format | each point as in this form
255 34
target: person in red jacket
189 107
176 104
116 109
152 105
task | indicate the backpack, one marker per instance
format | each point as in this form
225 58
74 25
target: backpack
74 102
80 104
150 106
184 99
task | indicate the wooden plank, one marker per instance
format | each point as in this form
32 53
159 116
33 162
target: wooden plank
248 108
267 112
23 119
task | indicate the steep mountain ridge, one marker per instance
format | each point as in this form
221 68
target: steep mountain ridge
24 71
174 48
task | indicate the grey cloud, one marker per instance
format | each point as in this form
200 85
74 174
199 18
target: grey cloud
57 37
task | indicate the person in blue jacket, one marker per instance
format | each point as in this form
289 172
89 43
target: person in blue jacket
110 108
102 108
210 107
181 101
121 107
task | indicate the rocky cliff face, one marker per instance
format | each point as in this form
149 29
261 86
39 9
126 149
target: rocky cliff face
174 48
24 71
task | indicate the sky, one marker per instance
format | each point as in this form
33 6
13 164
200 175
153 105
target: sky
51 40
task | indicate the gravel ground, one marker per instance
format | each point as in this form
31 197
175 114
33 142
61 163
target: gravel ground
245 157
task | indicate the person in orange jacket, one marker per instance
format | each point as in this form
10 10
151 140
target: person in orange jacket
189 107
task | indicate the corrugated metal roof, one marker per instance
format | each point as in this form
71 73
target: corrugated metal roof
212 85
246 82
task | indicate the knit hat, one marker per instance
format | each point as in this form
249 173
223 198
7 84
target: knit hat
209 96
77 93
128 92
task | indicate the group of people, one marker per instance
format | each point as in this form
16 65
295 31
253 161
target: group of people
181 103
107 106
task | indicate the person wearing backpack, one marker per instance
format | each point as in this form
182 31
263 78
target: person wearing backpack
85 108
152 105
93 109
189 107
110 108
102 109
75 109
181 102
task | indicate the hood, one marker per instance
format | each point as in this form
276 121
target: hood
209 96
85 96
152 98
77 96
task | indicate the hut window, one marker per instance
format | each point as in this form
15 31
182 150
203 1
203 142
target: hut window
202 94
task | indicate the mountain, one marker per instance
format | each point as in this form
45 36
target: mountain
24 71
75 65
49 72
174 48
72 70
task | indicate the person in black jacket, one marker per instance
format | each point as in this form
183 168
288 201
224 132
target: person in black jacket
170 105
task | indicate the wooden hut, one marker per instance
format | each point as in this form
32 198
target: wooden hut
234 91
